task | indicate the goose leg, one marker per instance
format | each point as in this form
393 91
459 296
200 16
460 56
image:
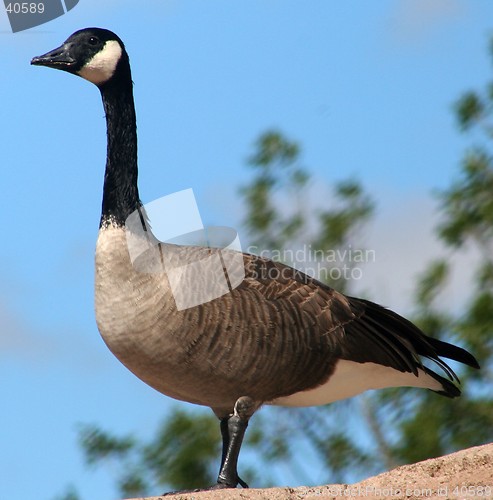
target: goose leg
225 436
232 430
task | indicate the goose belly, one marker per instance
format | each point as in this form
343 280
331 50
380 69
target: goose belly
143 333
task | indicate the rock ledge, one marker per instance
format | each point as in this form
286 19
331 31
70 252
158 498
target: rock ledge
462 475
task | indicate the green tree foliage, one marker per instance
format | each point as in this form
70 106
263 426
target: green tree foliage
276 167
401 426
182 454
281 216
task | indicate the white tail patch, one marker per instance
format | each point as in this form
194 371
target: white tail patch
351 378
102 66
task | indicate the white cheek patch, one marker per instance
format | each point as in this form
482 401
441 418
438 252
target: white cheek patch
102 66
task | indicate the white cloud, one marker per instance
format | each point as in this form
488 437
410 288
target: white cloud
414 20
18 340
403 237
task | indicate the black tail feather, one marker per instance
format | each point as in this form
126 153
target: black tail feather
454 352
450 390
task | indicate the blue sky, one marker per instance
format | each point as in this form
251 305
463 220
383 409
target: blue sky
367 89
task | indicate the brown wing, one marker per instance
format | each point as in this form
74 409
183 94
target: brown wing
351 328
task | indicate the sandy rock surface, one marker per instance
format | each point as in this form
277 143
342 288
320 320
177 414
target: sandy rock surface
462 475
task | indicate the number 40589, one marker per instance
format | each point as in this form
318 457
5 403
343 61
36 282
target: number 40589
25 8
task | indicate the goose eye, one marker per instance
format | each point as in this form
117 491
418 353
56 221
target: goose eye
93 40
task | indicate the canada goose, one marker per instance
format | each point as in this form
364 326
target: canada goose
280 338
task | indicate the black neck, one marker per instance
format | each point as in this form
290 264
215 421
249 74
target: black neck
120 192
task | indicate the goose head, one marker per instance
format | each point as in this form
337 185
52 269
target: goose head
95 54
99 56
